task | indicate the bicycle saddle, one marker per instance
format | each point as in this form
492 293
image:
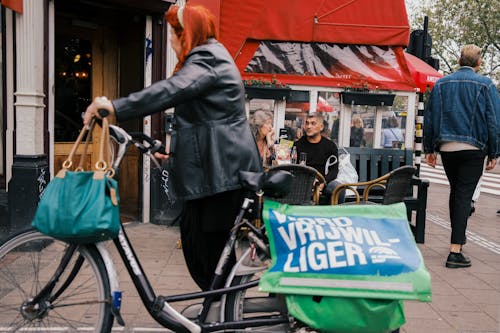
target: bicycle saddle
275 185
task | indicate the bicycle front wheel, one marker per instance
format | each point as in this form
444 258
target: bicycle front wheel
80 300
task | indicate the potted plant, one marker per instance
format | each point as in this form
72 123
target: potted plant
266 88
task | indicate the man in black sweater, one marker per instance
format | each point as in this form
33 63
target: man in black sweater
319 152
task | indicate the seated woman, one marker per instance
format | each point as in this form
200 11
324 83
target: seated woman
261 123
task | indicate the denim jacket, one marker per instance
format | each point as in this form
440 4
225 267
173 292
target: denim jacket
463 107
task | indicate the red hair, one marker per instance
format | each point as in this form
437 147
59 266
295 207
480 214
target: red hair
198 26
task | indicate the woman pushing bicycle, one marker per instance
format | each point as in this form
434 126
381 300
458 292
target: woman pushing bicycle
214 141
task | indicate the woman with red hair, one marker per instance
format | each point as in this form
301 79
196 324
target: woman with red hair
214 141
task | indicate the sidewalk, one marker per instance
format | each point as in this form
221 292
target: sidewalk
464 300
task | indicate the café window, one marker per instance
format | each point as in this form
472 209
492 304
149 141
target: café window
73 60
393 133
298 106
378 126
328 104
362 126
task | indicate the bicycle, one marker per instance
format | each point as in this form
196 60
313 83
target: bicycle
49 285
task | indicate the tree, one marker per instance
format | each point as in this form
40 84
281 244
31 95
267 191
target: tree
455 23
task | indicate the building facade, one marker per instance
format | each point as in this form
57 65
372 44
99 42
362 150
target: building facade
57 55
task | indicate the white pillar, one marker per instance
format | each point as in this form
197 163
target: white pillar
29 74
9 96
146 161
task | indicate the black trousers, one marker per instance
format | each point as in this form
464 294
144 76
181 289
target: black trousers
463 169
205 225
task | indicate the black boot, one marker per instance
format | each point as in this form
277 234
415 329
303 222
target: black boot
457 260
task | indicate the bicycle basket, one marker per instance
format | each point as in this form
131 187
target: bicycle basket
347 315
344 268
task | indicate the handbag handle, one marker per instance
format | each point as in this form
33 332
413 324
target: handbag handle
80 166
104 150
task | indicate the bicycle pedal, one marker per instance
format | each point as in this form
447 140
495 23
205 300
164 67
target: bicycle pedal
179 244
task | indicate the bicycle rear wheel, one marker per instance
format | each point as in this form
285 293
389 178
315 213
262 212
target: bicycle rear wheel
27 262
248 304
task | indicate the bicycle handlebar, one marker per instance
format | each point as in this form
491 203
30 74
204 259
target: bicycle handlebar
155 146
144 143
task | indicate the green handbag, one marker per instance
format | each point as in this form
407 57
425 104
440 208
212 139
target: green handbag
81 206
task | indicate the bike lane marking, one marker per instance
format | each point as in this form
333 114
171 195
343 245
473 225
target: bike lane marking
471 236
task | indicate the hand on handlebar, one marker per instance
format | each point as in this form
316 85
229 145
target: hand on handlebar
99 103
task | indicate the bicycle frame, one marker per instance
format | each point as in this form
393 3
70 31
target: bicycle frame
158 306
163 313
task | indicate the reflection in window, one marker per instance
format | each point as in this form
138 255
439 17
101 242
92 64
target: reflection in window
296 110
362 126
394 124
329 105
73 61
261 104
388 121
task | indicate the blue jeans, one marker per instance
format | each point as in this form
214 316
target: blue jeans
330 187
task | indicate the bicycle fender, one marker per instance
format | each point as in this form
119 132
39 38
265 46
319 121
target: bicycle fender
113 278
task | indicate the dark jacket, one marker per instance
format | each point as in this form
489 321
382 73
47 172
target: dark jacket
214 141
357 137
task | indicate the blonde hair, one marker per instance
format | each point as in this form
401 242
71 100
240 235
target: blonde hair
470 55
258 119
357 121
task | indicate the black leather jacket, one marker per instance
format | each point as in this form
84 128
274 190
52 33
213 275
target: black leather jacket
214 142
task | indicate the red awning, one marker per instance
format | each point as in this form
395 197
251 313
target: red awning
15 5
244 25
362 22
381 22
422 73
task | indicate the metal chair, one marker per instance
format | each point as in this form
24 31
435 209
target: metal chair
395 186
305 187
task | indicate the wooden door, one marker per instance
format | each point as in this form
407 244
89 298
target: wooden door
87 63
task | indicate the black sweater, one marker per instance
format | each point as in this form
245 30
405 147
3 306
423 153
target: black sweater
318 154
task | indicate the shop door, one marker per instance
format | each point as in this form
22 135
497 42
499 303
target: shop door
87 64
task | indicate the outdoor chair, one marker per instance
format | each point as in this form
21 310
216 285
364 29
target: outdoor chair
391 188
305 187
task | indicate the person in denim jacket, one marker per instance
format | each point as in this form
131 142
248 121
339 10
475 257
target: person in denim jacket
462 122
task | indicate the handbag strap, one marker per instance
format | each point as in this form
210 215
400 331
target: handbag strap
80 166
395 136
104 162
